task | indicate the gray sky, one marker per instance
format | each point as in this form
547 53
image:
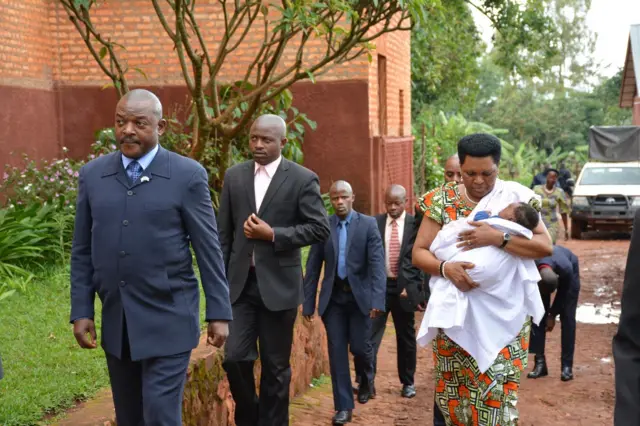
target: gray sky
610 20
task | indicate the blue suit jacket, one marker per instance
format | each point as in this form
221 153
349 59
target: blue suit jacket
131 247
365 266
567 266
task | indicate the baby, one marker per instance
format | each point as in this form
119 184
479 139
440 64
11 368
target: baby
486 319
521 213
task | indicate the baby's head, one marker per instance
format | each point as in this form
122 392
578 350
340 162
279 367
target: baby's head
521 213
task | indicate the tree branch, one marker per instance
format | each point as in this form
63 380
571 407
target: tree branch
81 15
163 21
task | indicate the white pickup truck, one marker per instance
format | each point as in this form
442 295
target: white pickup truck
606 197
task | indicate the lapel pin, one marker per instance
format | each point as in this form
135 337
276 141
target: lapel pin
144 179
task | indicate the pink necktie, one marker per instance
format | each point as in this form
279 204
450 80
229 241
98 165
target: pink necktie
394 248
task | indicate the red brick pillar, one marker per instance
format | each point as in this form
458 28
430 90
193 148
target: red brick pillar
636 111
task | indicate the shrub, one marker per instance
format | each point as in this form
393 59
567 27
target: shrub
28 236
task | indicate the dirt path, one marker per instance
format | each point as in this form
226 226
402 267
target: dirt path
588 400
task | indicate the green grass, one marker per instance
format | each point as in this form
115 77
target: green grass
45 370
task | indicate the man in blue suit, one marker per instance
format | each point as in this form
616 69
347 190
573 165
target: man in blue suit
138 211
353 292
561 270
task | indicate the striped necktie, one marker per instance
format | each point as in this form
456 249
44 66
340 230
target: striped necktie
394 249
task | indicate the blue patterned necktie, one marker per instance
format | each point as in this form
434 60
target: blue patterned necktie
342 248
134 170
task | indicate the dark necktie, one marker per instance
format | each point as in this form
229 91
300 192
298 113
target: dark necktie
134 170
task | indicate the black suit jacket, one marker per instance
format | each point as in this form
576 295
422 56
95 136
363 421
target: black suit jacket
409 276
293 207
626 342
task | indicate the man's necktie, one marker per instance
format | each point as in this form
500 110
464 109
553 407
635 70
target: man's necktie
342 249
134 170
394 248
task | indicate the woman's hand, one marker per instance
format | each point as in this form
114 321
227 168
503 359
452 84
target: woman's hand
456 272
482 236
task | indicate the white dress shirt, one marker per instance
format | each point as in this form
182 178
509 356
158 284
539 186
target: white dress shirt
262 179
387 239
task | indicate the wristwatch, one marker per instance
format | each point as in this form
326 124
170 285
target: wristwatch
505 240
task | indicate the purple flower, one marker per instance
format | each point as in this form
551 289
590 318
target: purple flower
92 156
5 176
76 174
52 179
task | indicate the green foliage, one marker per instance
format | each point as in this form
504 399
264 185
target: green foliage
327 204
549 121
51 181
29 236
444 65
45 369
441 136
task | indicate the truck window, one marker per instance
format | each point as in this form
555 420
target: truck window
611 176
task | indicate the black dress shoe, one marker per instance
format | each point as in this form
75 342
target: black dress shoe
342 417
408 391
566 374
364 394
540 369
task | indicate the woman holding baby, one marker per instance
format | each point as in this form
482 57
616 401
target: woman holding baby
465 395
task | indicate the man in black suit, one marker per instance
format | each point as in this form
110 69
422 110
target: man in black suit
138 212
403 288
626 342
352 294
270 208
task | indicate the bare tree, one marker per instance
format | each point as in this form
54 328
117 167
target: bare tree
221 111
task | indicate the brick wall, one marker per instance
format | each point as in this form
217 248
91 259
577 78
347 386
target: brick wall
28 119
27 49
134 24
396 49
43 51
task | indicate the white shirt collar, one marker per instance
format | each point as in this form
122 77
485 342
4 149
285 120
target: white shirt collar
270 168
144 161
399 220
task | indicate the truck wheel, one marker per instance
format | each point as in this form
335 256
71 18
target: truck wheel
576 230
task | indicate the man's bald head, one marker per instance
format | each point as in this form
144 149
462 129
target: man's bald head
139 123
144 97
452 171
548 280
395 200
396 191
342 185
268 136
341 197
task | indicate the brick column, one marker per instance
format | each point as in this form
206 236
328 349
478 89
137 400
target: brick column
636 111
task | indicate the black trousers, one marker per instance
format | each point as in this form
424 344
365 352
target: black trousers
147 392
567 328
404 323
255 329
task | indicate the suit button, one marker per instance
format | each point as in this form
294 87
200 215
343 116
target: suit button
123 254
125 222
129 193
122 283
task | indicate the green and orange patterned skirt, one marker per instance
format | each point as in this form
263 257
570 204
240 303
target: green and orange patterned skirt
468 398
